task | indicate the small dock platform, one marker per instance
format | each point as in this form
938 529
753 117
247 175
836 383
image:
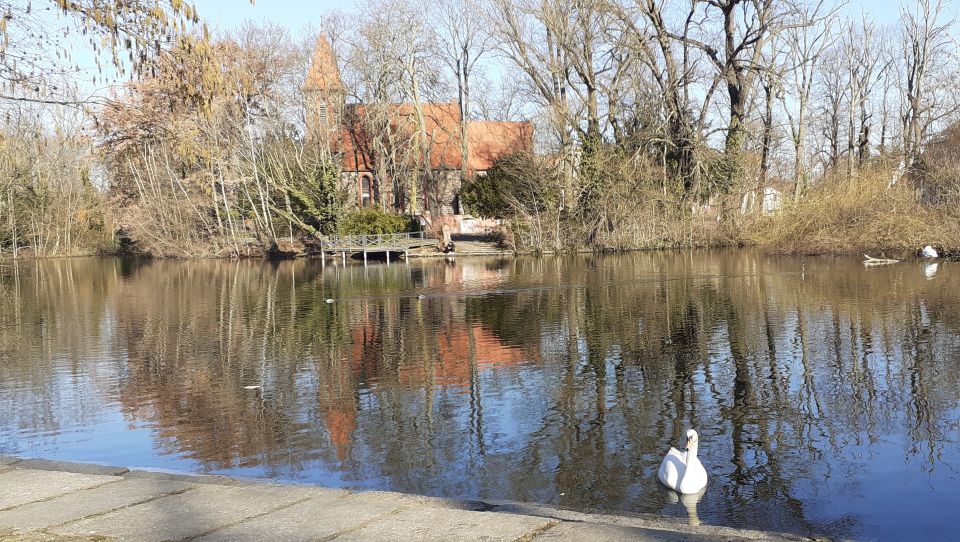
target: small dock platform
387 244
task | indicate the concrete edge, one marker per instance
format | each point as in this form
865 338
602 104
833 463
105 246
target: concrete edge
68 466
641 521
659 523
209 479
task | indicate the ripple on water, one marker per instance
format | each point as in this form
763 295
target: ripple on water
824 393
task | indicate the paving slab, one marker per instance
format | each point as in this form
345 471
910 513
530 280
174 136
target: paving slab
22 486
12 535
87 502
429 524
307 521
192 513
51 505
598 532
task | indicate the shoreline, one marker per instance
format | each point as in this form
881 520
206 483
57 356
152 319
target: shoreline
903 256
57 500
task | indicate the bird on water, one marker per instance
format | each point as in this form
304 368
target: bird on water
682 471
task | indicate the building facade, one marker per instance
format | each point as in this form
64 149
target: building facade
406 157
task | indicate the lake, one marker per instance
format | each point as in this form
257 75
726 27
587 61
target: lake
826 394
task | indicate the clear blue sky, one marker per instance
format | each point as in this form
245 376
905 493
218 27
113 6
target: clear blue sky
295 15
298 15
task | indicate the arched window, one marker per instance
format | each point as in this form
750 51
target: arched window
366 190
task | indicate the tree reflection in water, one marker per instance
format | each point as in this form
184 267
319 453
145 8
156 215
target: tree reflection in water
825 393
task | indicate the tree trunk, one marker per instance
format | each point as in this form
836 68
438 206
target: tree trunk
767 129
463 91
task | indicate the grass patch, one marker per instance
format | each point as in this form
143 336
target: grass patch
861 214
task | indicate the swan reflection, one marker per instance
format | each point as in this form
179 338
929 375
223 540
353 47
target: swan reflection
689 501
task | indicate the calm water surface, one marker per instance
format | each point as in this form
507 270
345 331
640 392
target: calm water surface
827 395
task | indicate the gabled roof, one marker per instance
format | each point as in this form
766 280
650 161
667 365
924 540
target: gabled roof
487 141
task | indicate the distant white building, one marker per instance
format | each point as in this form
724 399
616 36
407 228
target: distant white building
772 200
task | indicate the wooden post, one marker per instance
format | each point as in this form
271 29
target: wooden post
323 260
388 257
364 256
344 257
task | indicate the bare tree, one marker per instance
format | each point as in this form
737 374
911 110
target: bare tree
862 65
464 39
889 100
772 85
805 47
529 33
36 61
747 26
391 60
666 51
927 52
831 84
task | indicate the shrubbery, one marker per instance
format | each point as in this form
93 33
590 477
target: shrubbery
860 214
369 221
484 196
616 204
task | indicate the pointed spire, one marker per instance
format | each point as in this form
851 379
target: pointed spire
324 75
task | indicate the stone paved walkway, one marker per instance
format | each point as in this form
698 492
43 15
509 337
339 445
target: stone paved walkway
45 501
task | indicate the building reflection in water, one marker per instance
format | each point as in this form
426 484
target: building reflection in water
556 380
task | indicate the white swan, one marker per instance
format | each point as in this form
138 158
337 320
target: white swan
682 471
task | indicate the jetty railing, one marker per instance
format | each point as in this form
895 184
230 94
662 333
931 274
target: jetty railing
385 243
376 242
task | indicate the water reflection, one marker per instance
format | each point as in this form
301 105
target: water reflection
689 502
825 394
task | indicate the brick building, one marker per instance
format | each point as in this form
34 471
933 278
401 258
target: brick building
405 157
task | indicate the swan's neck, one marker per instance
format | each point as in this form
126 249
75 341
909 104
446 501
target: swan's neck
691 452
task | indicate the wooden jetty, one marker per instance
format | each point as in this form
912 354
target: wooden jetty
385 243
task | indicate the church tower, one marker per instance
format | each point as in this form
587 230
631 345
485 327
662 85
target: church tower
325 99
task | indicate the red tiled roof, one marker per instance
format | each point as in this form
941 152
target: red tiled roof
487 141
441 120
